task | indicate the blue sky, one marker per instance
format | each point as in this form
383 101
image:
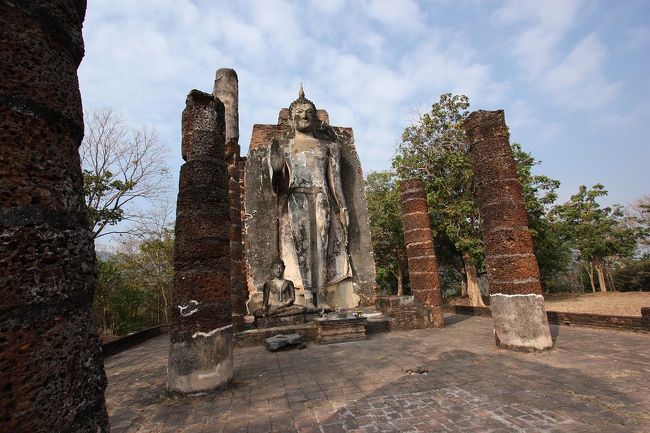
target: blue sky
571 75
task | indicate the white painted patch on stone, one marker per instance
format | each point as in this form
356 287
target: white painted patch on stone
371 314
191 304
211 333
517 295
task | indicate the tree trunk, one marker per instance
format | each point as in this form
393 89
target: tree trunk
601 276
166 304
609 277
473 289
400 273
463 282
590 269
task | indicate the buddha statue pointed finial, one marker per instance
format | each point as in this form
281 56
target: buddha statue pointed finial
301 99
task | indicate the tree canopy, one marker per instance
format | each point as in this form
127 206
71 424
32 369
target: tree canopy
121 165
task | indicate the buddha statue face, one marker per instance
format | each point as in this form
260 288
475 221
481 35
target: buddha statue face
302 116
277 269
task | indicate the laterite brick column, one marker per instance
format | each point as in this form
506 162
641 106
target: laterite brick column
516 300
201 334
423 265
51 367
226 89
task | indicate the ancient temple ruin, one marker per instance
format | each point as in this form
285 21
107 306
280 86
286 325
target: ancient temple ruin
282 236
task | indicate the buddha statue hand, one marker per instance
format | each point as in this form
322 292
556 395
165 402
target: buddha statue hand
276 157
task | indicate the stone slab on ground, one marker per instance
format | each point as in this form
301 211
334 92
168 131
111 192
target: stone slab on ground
279 341
256 337
592 381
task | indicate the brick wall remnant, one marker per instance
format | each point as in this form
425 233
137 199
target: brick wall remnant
226 89
516 301
51 367
201 334
423 265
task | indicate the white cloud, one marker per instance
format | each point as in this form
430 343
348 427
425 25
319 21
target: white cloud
546 25
569 75
577 80
403 15
368 63
328 7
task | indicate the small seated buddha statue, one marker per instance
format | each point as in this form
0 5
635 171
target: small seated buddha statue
279 295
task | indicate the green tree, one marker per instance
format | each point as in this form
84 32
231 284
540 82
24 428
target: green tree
596 232
120 166
150 268
633 275
109 280
135 286
435 149
539 191
386 230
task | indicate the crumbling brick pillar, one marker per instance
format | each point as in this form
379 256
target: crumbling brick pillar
226 88
423 265
516 300
51 368
201 334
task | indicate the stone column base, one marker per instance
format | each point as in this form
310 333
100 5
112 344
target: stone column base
201 363
520 322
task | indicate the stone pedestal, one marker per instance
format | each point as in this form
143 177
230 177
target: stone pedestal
51 367
201 334
271 322
423 265
202 362
338 330
517 305
405 312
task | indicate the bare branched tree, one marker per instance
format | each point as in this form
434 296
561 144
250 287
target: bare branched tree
121 166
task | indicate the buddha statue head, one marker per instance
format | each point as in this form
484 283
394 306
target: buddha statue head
303 114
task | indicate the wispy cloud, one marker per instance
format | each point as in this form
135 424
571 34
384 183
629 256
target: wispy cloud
577 81
369 63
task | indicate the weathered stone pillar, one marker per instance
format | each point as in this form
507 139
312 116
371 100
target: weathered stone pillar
51 367
226 88
516 300
423 265
201 334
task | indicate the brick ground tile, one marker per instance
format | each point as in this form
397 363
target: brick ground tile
592 381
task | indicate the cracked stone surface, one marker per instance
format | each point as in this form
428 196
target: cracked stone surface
593 381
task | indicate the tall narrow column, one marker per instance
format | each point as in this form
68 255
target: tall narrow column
516 299
201 335
51 368
423 264
226 88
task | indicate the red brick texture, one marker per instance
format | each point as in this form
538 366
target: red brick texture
511 264
202 248
51 367
423 265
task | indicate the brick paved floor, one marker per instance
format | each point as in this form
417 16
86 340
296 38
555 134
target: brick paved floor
593 381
